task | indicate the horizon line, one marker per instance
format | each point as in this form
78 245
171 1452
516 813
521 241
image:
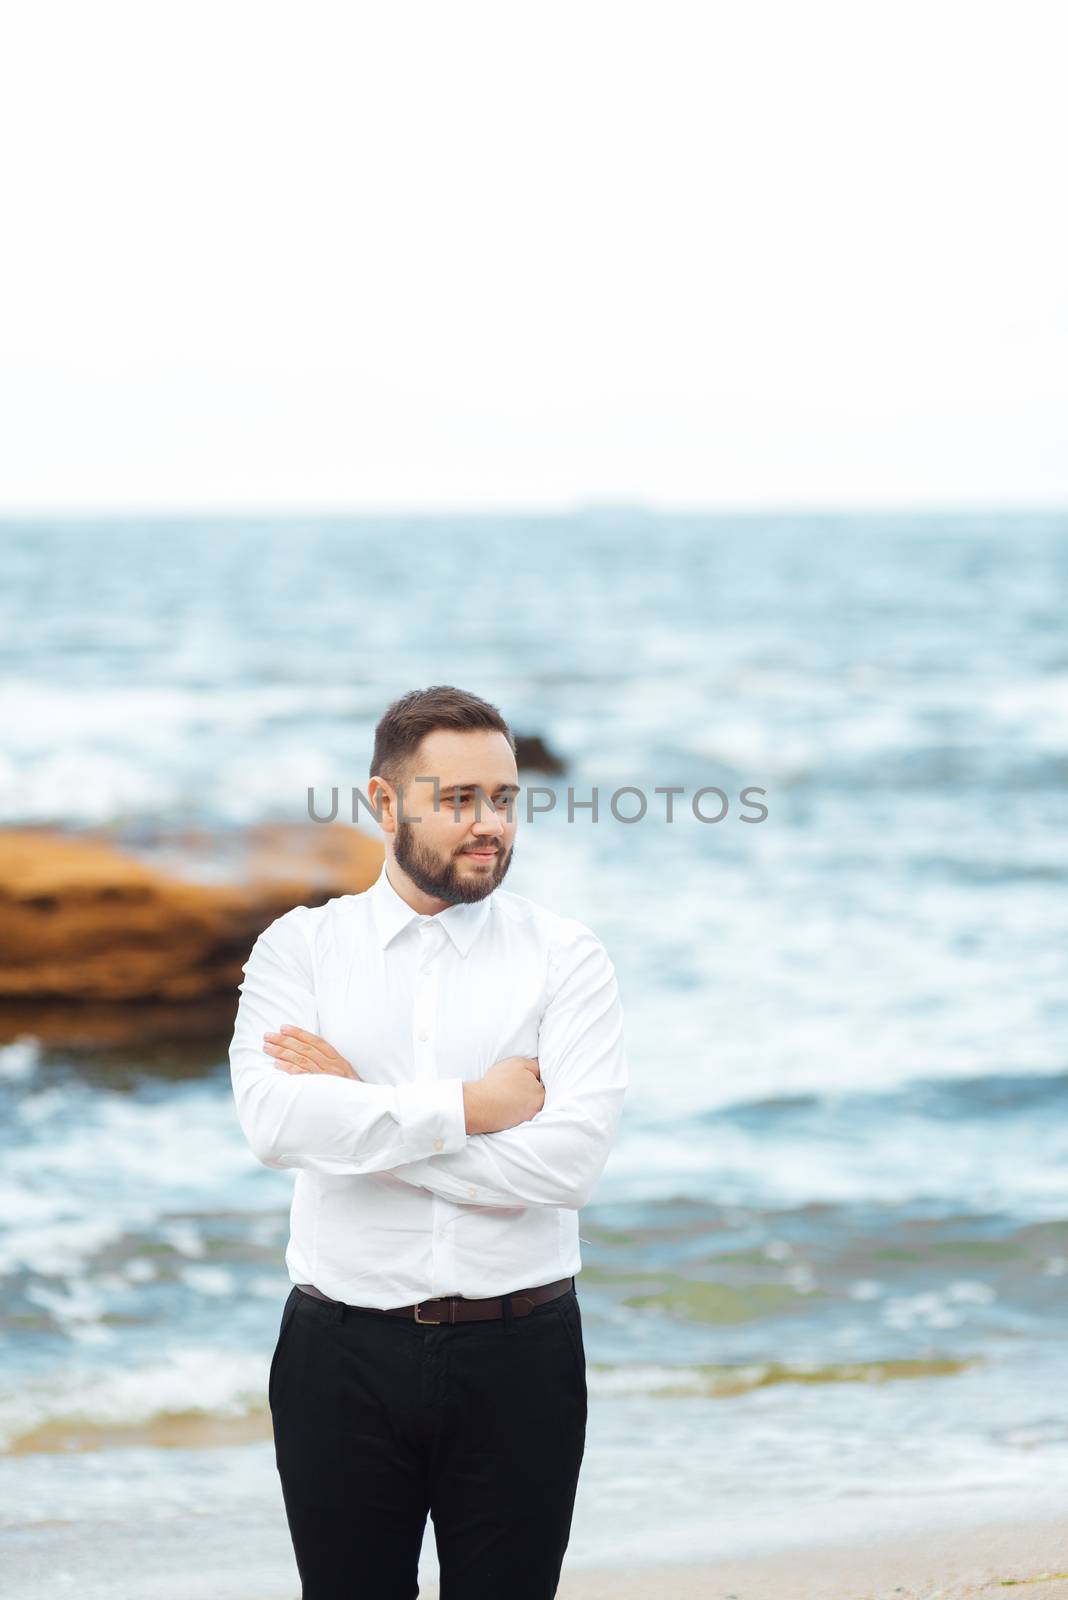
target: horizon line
606 509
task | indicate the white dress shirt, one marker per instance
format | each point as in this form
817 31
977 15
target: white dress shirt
394 1201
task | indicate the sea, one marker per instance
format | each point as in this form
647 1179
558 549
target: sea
825 1274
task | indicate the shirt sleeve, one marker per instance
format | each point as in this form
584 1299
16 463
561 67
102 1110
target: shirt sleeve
316 1120
555 1159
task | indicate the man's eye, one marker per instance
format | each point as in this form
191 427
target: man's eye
468 796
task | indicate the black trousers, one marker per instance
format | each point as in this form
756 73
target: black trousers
380 1421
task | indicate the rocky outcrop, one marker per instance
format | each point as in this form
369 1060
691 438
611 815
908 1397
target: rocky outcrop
157 922
532 754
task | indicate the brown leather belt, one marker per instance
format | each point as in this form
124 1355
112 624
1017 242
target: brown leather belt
455 1308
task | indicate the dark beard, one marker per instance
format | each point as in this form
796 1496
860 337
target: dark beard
445 882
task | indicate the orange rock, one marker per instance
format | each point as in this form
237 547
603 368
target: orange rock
90 917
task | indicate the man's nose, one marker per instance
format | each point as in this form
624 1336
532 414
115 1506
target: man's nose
490 823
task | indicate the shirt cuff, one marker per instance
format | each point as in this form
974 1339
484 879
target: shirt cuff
431 1115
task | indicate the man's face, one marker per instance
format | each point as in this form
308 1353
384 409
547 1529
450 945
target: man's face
461 851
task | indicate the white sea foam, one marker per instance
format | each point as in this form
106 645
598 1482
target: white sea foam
205 1380
19 1059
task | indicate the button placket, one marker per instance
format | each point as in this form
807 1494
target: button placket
432 940
424 1013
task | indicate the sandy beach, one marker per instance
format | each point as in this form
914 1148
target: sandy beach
948 1564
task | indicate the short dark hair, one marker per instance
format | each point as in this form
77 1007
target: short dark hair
404 724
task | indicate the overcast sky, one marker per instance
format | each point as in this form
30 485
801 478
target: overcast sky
456 255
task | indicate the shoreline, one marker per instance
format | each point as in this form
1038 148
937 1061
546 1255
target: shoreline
957 1561
946 1563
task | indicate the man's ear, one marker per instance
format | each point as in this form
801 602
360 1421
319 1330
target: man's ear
382 799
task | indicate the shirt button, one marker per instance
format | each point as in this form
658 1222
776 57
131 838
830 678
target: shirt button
425 971
471 1191
438 1143
423 1033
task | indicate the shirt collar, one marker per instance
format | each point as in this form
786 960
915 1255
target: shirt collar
462 922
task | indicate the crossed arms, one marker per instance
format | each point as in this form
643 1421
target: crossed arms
417 1131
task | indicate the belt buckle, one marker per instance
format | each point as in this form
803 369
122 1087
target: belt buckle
429 1322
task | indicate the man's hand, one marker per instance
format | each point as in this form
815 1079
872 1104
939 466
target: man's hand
296 1050
510 1093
